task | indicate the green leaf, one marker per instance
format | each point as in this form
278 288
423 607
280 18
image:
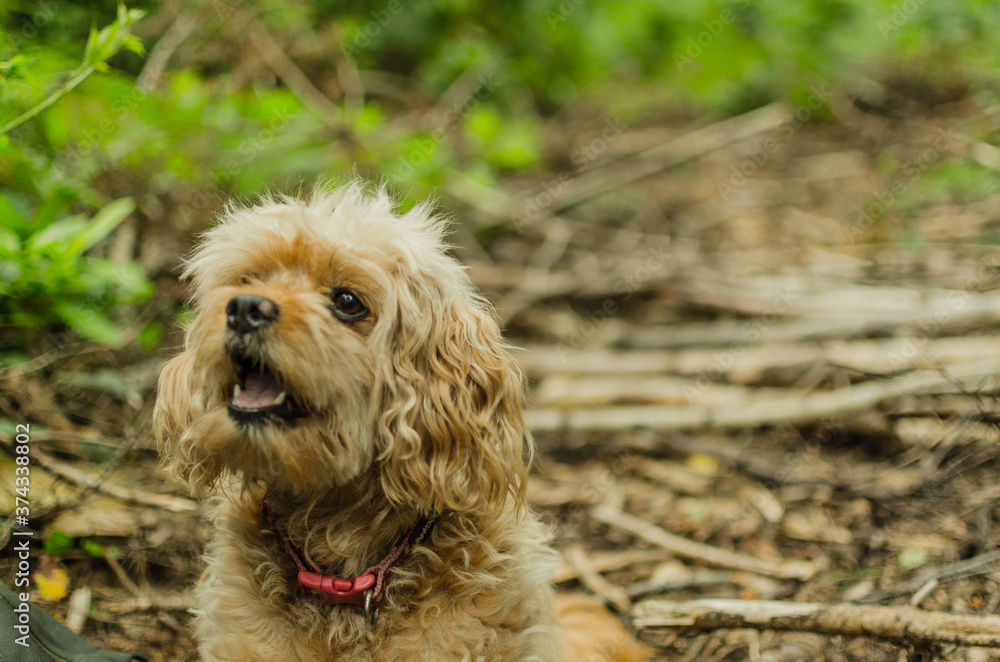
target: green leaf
101 225
108 381
9 217
88 51
9 243
61 232
89 323
92 547
132 44
57 542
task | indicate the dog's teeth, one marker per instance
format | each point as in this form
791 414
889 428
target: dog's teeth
280 399
236 391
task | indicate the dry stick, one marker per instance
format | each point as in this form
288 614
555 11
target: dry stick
890 355
79 607
92 482
611 175
696 550
614 174
288 71
905 625
604 561
174 602
592 579
980 564
941 313
796 408
160 54
697 579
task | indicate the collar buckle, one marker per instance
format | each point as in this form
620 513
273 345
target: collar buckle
335 591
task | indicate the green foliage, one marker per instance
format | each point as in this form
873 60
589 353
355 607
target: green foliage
46 278
58 542
462 86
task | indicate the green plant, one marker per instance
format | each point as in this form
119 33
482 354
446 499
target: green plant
46 278
101 46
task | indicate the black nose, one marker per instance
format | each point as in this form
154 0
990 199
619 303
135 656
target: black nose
246 313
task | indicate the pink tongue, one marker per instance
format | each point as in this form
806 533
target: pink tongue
260 391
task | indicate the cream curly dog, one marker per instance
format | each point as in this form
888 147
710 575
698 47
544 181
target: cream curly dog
346 395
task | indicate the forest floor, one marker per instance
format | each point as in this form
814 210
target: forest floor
763 362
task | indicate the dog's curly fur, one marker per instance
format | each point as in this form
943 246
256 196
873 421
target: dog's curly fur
413 406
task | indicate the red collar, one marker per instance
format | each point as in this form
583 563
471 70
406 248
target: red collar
366 589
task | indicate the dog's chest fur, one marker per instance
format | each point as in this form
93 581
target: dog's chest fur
476 592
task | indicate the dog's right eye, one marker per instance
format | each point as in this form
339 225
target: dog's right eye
347 306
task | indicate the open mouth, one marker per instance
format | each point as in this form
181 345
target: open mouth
259 394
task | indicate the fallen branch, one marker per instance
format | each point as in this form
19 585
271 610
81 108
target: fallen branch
611 560
576 557
614 174
700 551
171 602
905 625
99 483
795 408
981 564
954 310
890 355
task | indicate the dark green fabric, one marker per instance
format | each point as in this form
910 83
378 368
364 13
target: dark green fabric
48 639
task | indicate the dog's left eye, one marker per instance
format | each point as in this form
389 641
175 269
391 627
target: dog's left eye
347 306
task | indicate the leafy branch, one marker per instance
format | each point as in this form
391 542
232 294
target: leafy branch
101 46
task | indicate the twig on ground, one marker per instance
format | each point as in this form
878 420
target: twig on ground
176 602
604 561
614 174
79 608
938 312
697 579
93 482
795 408
905 625
981 564
695 550
576 557
883 356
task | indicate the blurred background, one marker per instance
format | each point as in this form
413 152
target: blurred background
749 251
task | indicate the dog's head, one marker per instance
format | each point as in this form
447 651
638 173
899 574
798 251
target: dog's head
333 339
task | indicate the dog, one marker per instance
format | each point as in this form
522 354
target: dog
345 399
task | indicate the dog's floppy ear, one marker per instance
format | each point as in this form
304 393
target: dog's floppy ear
451 432
173 412
178 405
